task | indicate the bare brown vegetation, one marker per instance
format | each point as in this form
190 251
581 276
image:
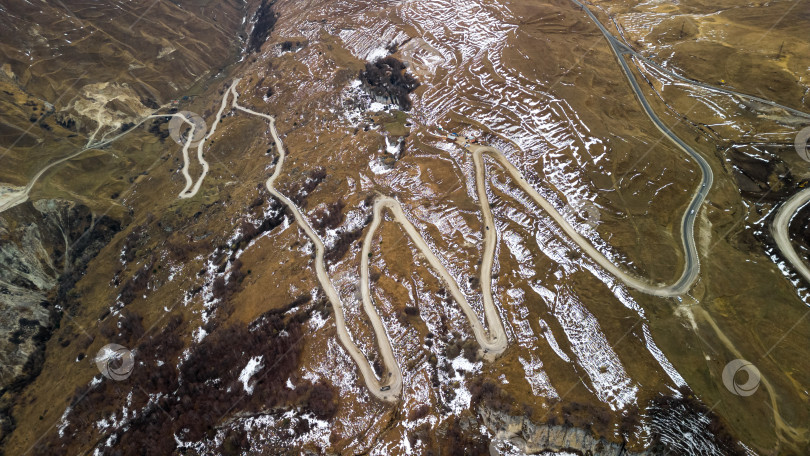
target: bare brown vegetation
203 391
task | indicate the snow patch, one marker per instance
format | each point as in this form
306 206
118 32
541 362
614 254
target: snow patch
253 366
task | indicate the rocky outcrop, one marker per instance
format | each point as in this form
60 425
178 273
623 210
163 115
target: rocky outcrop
44 249
26 276
531 438
388 82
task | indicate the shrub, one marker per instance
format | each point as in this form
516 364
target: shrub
489 394
136 285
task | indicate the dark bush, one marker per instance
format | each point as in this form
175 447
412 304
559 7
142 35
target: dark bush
470 348
135 286
150 103
458 442
156 128
342 245
489 394
202 393
297 192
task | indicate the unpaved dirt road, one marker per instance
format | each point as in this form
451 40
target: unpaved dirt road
387 389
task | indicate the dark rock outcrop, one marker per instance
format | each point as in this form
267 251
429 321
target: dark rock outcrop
532 438
387 82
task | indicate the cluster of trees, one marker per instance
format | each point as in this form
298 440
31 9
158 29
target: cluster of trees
287 46
419 412
463 442
149 103
180 247
457 345
131 243
455 436
387 80
344 242
277 212
322 401
125 329
346 239
224 288
585 416
66 121
489 394
411 311
330 217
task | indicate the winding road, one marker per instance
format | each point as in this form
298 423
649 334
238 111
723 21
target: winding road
781 224
703 85
492 337
14 198
785 213
680 287
691 267
387 389
492 341
779 228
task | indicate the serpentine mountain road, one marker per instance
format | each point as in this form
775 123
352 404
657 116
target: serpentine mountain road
780 227
385 389
492 340
658 290
785 213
